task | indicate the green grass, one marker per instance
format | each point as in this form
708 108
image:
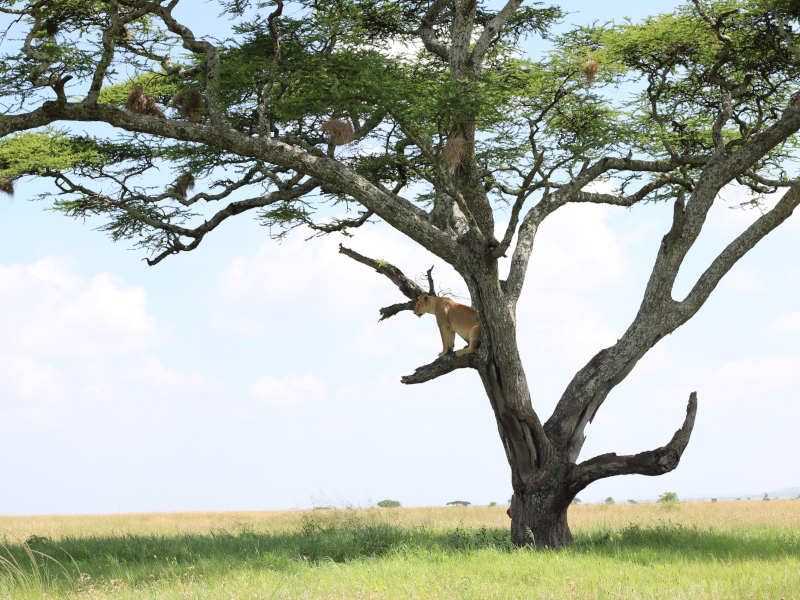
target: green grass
354 554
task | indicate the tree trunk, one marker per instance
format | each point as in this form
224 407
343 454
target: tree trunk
539 474
539 517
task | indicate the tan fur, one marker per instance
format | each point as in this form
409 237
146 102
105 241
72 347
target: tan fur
452 318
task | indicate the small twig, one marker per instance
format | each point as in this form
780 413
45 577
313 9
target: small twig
431 288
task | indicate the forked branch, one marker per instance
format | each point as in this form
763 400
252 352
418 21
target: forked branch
652 462
441 366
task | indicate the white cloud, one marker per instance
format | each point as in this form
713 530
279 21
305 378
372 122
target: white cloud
67 341
576 249
291 389
743 281
152 370
732 209
46 310
750 378
29 379
787 322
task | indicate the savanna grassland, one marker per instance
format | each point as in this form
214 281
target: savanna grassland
698 550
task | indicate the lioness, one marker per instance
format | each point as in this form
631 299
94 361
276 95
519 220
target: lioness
452 318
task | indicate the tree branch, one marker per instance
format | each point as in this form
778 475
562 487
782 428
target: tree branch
736 250
428 36
406 286
399 212
442 366
212 64
490 31
652 462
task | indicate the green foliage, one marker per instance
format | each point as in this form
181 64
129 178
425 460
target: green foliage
157 86
669 500
344 60
667 497
47 150
608 500
389 503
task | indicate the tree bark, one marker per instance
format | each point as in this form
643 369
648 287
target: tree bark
539 518
539 474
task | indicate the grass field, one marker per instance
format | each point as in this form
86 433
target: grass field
699 550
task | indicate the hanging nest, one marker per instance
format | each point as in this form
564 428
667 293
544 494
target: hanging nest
453 150
139 102
189 102
183 184
51 26
341 131
590 69
7 185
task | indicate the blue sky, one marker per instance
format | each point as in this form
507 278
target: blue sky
251 374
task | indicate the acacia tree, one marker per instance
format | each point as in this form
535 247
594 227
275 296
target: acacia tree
425 115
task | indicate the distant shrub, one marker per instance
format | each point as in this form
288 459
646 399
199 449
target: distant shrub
713 499
608 500
667 497
576 500
323 508
492 503
458 503
669 500
632 501
389 503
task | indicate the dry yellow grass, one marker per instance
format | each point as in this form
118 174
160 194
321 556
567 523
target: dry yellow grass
718 515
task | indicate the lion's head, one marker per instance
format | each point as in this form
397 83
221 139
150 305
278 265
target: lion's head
422 304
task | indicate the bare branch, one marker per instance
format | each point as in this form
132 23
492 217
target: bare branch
264 124
442 366
736 250
108 41
406 286
428 36
490 31
175 232
628 201
525 236
716 23
431 288
652 462
724 115
212 62
390 311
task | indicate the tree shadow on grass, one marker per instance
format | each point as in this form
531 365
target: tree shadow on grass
669 542
139 558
